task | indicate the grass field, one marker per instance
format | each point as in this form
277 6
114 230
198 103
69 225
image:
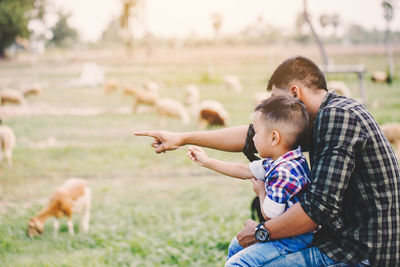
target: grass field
147 209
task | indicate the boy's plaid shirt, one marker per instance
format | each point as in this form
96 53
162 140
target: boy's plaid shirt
286 177
355 185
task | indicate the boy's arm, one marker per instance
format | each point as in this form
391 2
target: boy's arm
262 199
259 189
236 170
233 169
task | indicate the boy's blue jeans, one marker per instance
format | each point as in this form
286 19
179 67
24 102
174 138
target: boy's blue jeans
260 253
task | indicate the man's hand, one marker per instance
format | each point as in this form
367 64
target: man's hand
198 155
163 140
246 235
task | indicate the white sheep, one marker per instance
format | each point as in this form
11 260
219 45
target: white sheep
339 88
192 95
232 82
212 112
12 96
167 107
379 76
7 142
144 97
392 133
151 86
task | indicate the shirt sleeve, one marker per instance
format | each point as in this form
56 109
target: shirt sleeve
281 185
249 148
257 169
338 136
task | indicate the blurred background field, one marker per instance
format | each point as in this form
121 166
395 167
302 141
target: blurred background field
148 209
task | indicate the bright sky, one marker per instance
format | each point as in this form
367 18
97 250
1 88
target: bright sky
169 18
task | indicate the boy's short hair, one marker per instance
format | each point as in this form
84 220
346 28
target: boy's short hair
298 69
289 115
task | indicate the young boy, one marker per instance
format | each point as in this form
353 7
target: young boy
280 124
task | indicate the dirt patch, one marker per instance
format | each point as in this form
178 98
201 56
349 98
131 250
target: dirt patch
28 111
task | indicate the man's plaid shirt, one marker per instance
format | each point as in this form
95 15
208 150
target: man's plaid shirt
355 185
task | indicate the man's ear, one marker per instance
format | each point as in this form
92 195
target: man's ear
276 137
295 91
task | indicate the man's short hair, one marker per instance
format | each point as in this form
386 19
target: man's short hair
289 115
297 69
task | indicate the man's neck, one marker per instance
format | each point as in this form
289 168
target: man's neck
314 103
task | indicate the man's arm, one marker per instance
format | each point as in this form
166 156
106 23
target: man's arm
230 139
292 222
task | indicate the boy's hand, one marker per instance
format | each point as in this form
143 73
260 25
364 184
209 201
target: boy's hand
258 187
197 155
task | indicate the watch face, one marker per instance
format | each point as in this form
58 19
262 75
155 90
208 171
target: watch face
262 235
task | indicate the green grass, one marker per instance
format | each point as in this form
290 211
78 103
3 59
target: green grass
148 209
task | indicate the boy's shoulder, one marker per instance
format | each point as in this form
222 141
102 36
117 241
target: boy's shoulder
292 163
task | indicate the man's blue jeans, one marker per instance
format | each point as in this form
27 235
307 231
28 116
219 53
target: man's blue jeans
308 257
260 253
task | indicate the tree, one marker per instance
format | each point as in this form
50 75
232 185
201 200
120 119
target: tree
14 19
63 34
314 33
131 9
216 19
110 34
326 20
388 14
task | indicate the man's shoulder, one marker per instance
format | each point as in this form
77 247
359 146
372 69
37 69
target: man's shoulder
341 108
345 105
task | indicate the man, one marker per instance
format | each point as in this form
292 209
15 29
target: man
355 192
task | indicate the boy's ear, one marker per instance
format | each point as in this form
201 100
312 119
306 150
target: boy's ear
276 137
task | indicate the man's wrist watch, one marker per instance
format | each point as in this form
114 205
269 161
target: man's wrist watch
262 234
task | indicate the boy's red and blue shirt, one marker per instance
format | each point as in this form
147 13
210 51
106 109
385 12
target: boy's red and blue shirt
285 178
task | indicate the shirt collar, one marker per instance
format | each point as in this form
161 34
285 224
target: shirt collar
291 155
328 97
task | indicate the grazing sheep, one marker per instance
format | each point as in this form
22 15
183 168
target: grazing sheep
151 86
260 96
74 196
34 90
339 88
212 112
12 96
111 86
145 97
192 95
7 141
167 107
380 77
129 90
392 133
232 82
